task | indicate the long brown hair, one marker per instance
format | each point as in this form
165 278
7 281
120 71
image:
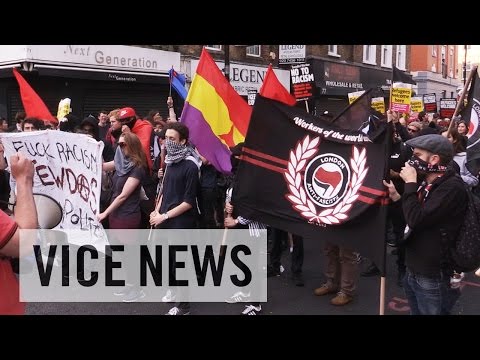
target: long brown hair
135 149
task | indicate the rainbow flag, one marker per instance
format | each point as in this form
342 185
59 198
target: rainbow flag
215 114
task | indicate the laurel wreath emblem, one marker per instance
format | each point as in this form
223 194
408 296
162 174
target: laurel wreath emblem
304 151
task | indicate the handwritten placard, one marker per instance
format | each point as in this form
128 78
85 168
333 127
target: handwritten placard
68 168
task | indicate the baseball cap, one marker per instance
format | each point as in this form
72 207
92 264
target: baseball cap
126 113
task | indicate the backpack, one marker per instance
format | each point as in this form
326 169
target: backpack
465 252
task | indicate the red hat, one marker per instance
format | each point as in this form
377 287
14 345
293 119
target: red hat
126 113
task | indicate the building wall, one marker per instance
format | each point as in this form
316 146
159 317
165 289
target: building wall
429 58
420 61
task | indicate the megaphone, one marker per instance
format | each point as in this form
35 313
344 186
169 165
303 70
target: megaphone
49 211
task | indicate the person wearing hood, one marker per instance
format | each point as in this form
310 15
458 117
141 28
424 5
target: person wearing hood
90 126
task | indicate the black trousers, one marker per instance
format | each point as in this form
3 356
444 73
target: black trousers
279 240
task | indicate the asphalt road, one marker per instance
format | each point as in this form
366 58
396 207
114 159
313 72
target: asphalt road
284 298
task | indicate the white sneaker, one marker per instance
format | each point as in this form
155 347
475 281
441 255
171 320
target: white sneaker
169 296
456 278
177 311
252 310
238 297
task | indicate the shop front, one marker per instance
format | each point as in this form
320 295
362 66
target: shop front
94 77
334 81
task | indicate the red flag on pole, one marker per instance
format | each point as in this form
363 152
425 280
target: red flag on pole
32 103
272 88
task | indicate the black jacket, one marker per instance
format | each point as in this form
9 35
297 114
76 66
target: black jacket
442 212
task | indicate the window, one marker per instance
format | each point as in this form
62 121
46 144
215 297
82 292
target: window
370 54
434 50
469 66
401 56
214 47
253 50
387 55
332 50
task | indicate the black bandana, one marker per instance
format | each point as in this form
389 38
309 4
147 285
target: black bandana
422 165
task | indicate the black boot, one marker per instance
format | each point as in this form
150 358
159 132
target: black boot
400 276
372 270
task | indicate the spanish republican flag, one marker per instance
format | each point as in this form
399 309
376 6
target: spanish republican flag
215 114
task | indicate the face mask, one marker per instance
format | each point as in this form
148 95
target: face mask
423 167
116 133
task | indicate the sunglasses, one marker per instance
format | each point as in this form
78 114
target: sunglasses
412 130
122 144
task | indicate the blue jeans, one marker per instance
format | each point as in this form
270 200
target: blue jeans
429 295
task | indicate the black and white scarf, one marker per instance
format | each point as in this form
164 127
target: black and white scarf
178 152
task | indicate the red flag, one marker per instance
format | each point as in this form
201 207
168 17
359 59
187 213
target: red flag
273 89
32 103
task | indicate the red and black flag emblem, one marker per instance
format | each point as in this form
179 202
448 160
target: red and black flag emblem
306 176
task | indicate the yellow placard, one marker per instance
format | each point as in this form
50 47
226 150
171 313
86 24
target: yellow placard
416 104
354 96
401 95
378 104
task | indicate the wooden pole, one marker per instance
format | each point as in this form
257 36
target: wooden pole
462 97
157 201
382 296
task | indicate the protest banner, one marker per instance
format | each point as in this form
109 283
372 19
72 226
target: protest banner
378 104
401 94
68 169
416 104
447 107
430 103
303 82
354 96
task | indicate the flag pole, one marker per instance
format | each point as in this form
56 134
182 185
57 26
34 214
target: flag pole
157 200
170 78
306 106
462 97
382 296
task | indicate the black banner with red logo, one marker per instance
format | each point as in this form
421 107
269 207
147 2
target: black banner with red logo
300 174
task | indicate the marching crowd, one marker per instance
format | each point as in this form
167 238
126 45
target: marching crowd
153 176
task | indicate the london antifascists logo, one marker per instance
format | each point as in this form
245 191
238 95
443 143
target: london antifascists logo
330 183
326 179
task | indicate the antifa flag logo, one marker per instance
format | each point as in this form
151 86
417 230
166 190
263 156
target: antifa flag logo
326 179
329 182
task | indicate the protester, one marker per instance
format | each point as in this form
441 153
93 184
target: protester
431 212
459 143
124 211
234 220
177 207
25 218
